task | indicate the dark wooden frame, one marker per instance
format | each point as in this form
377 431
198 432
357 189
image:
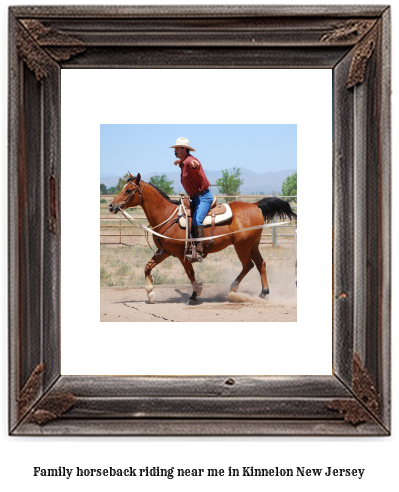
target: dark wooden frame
353 41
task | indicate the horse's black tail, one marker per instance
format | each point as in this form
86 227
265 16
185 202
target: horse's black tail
273 206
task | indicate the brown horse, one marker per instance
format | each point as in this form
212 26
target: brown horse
158 207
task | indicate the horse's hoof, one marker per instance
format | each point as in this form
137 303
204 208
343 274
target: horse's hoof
192 301
264 293
234 286
151 297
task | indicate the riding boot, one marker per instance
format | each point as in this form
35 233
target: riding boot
199 233
199 245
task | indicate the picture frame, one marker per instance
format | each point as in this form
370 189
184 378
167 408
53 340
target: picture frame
352 41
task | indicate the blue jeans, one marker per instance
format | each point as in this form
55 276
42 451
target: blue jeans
201 205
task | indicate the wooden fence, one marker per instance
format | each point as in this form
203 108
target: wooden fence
123 223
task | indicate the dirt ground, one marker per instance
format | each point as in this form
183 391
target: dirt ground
123 298
124 304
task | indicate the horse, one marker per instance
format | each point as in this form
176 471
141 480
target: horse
159 210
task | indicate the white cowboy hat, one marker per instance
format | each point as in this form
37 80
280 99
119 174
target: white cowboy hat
182 142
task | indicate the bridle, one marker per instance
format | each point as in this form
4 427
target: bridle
133 192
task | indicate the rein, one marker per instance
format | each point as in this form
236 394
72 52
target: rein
155 227
164 222
137 224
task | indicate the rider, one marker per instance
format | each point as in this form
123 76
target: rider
196 185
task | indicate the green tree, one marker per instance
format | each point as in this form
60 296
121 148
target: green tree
121 183
112 191
288 188
229 183
103 189
163 183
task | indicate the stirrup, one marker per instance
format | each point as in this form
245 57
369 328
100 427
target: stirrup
198 259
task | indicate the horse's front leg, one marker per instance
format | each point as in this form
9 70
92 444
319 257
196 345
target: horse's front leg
149 282
197 286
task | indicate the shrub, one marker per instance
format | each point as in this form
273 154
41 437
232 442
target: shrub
105 277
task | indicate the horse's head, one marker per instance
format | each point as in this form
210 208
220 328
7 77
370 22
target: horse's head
130 196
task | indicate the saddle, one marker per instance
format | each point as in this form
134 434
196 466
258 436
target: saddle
222 212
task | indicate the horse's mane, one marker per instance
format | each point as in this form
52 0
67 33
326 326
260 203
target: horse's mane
162 193
176 202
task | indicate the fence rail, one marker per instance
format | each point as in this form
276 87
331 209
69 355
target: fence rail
274 235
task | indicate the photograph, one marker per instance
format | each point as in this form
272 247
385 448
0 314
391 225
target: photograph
239 178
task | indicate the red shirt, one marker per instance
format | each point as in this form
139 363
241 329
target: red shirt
194 180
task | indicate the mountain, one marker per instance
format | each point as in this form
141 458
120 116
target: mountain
253 182
109 180
109 175
267 182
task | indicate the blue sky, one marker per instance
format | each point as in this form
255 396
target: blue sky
145 148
